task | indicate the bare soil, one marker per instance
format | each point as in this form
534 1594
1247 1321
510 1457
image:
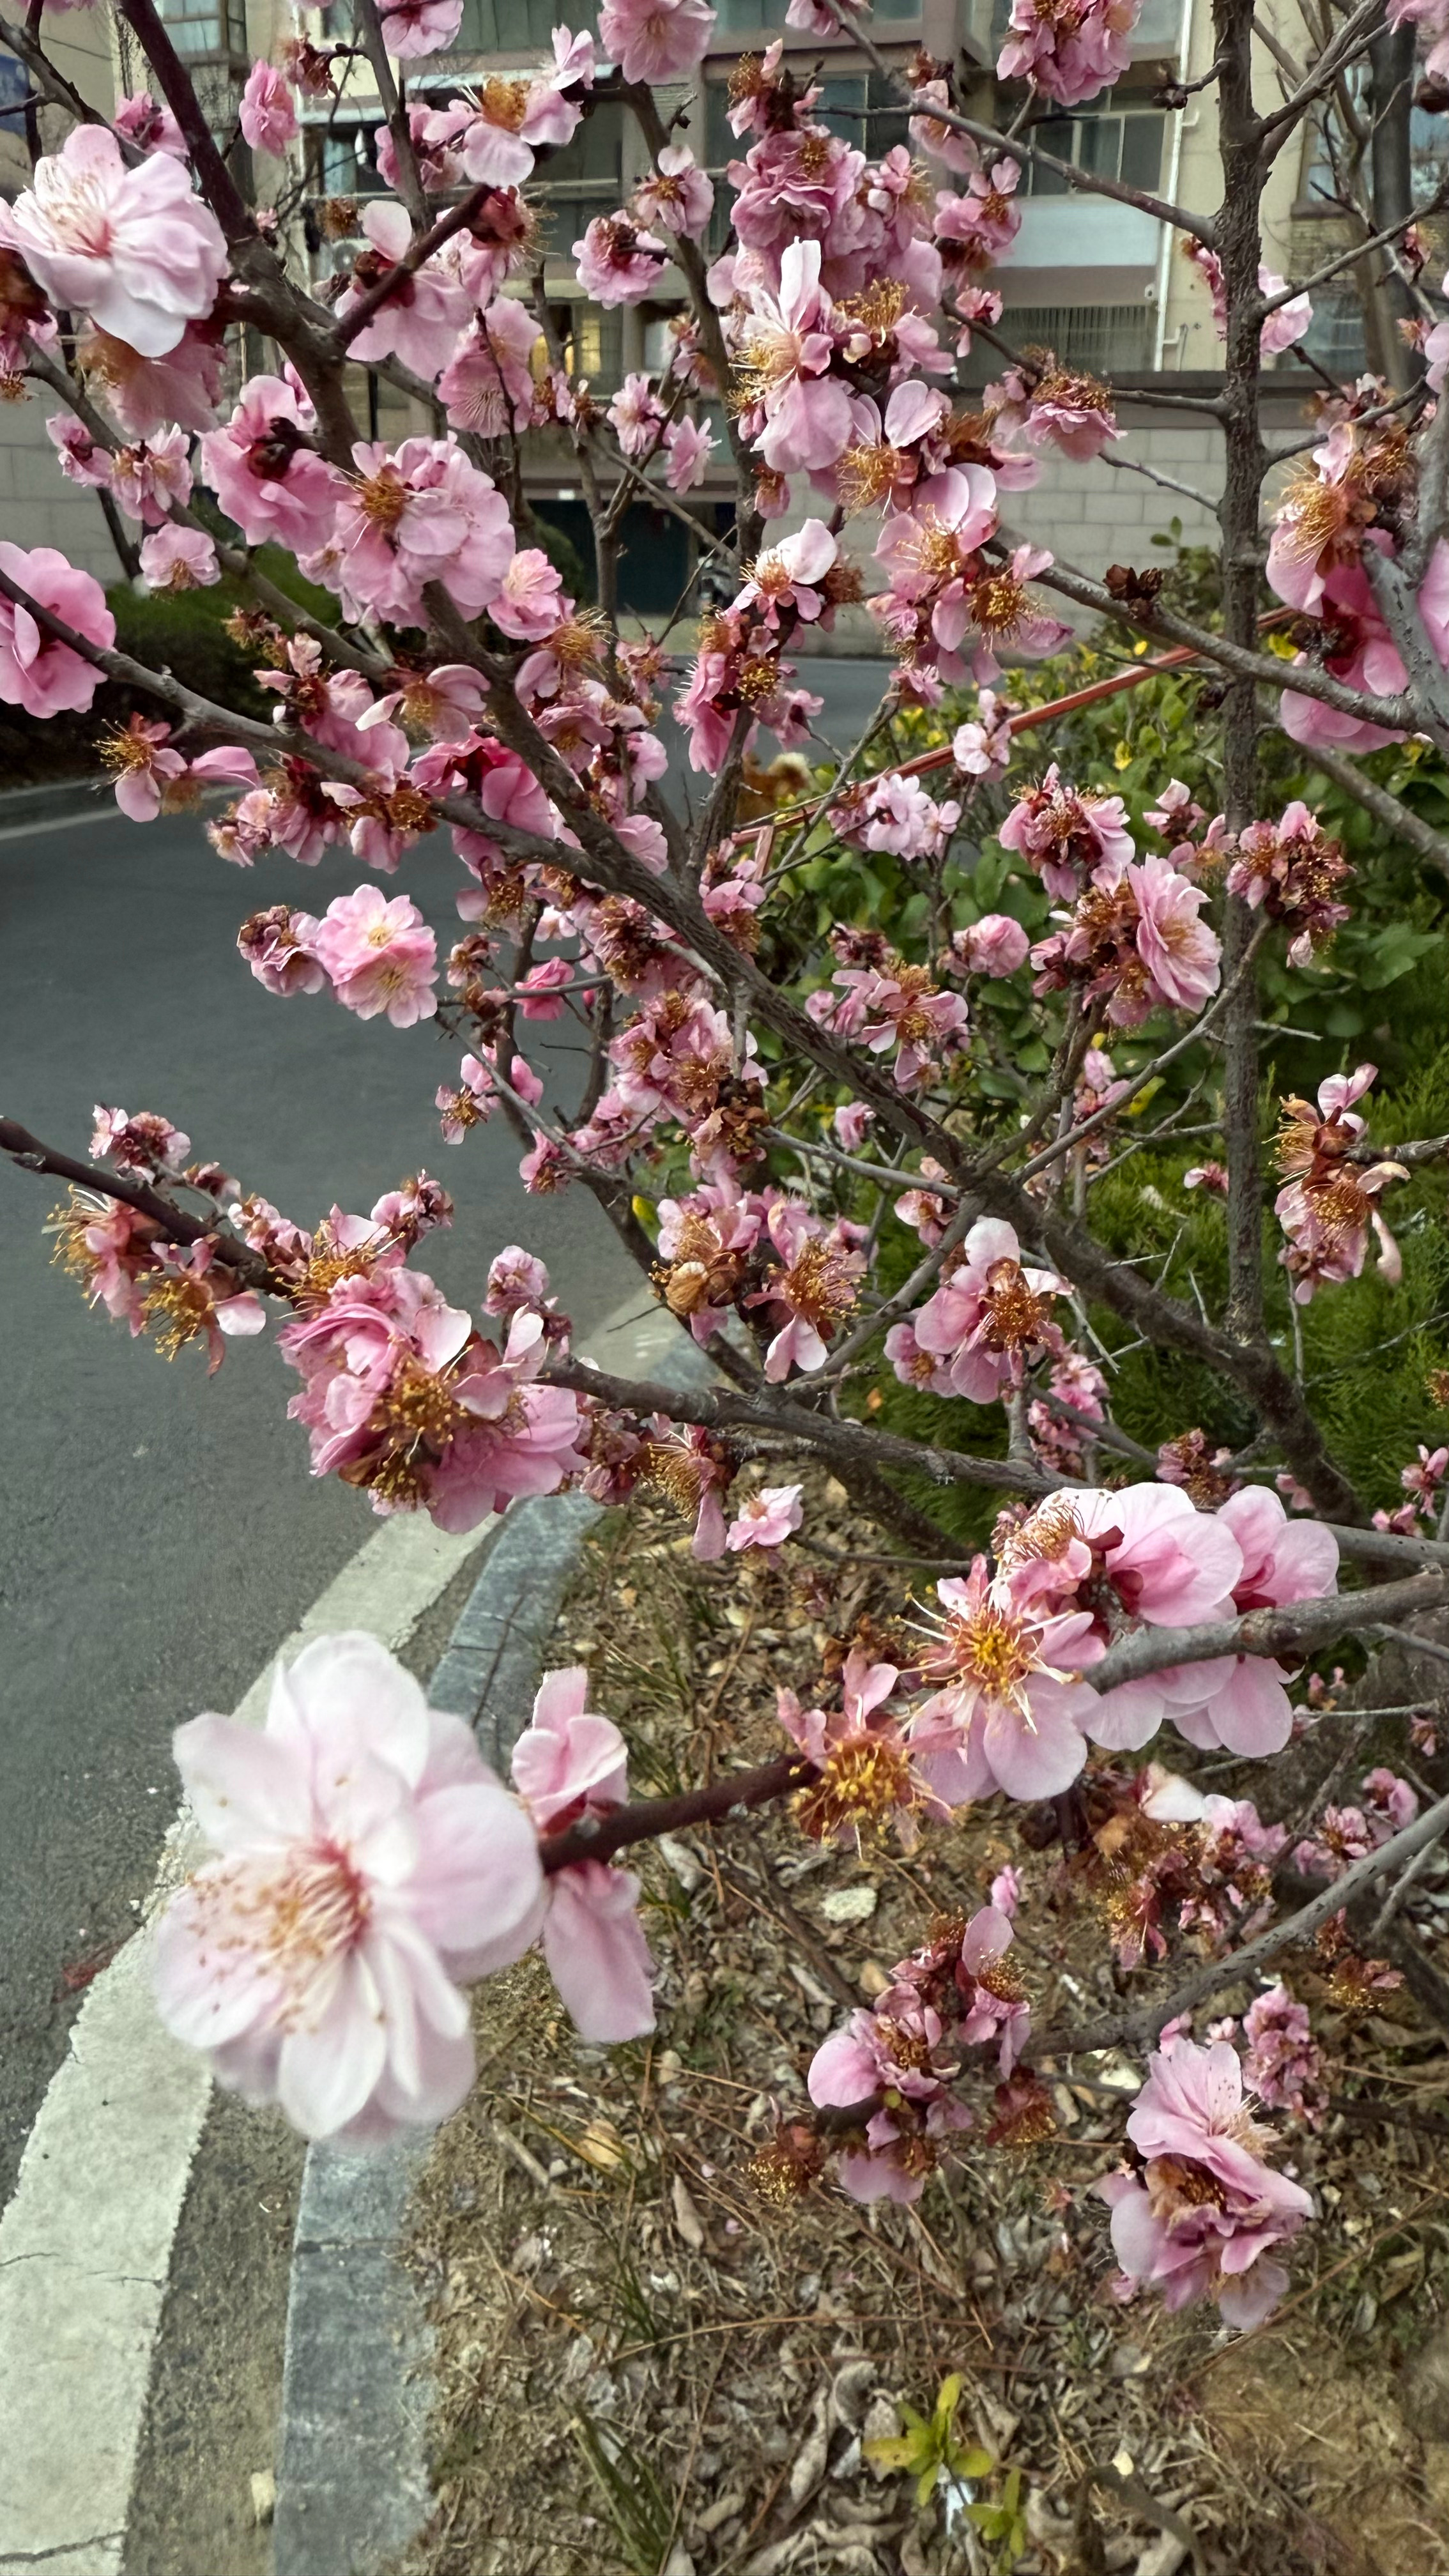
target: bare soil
645 2364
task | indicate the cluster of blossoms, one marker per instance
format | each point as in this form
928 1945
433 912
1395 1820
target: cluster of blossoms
1328 1205
1421 1481
1164 1852
1132 940
1200 2217
1336 519
369 1865
898 2063
1343 1835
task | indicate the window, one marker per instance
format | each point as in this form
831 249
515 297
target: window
342 161
206 26
1336 336
517 26
1327 143
593 344
1112 140
759 17
1101 339
583 178
14 91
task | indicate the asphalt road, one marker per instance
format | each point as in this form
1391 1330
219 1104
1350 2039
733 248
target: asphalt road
159 1533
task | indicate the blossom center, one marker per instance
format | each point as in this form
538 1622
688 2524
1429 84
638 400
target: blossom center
505 103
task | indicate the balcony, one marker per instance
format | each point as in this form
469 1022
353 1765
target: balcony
1084 232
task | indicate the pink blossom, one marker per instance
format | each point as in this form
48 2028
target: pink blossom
144 121
515 1278
153 478
146 1143
380 955
636 416
147 393
443 702
423 514
566 1761
529 602
413 27
1008 1711
1067 834
1287 326
676 194
689 445
1328 1205
1292 867
981 224
473 1101
1284 2065
1319 521
133 247
487 384
1203 2233
787 342
265 472
1283 1560
268 111
851 1123
995 946
420 320
1181 954
81 459
767 1519
929 134
175 558
983 749
1071 52
893 812
367 1860
1391 1797
989 1315
617 262
279 947
790 576
37 674
929 551
146 770
655 40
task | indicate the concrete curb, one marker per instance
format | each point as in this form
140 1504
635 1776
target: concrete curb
352 2480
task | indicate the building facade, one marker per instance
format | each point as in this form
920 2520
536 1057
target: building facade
1102 283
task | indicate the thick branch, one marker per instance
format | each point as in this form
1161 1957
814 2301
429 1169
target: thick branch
851 1444
1296 1629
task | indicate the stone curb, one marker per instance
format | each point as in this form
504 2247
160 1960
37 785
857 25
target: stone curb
352 2481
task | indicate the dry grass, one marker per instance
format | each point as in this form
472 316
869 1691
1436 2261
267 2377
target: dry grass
643 2366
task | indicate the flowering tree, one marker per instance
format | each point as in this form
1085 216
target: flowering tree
778 1096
